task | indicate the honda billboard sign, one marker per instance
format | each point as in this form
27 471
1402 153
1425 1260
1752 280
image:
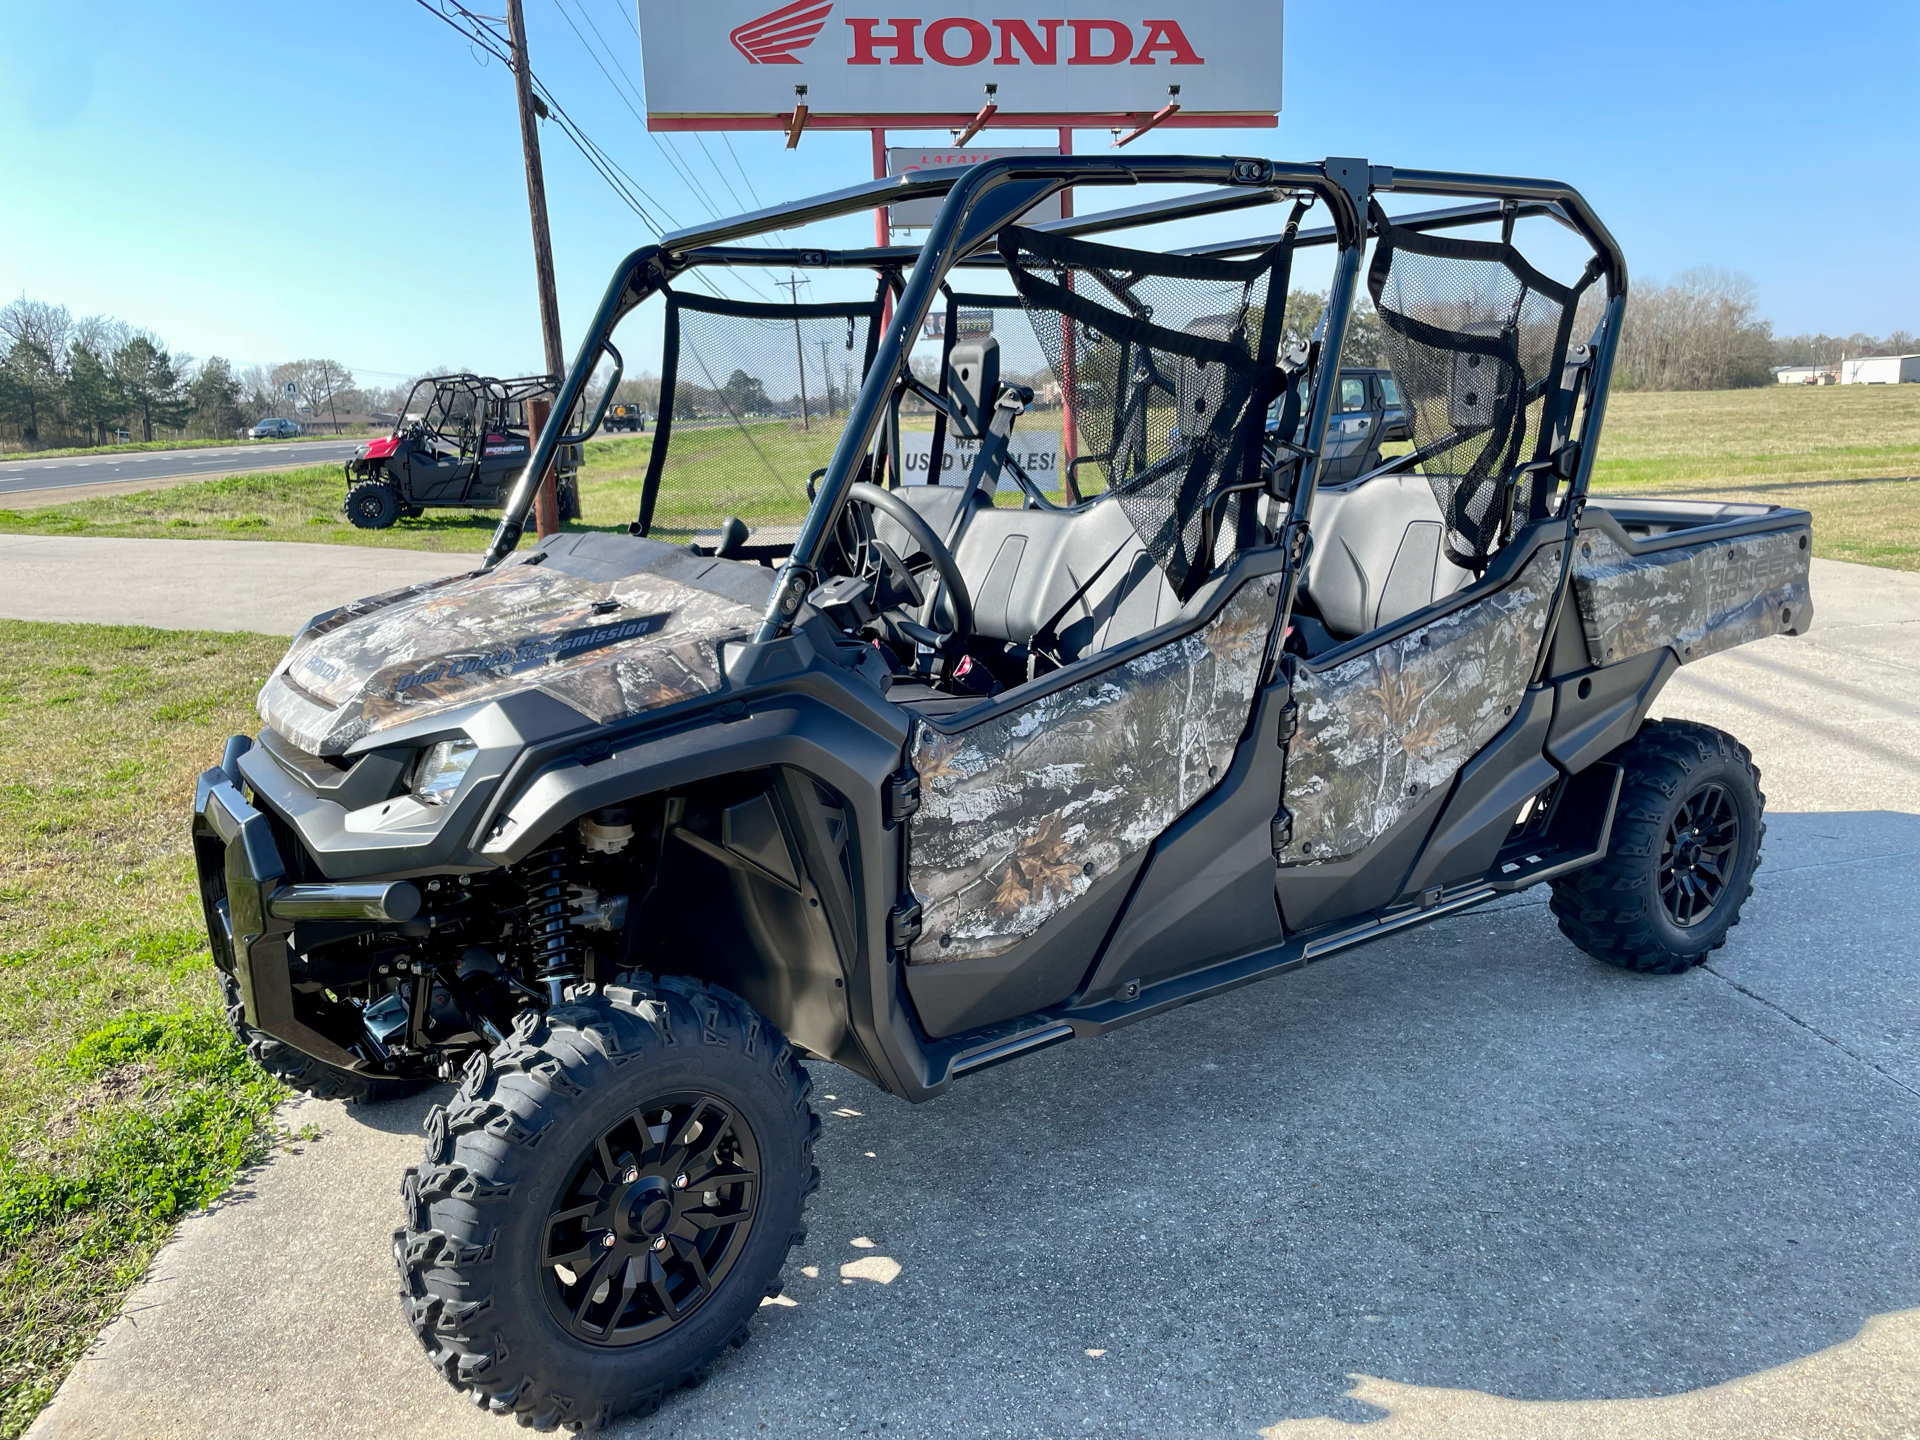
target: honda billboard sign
925 58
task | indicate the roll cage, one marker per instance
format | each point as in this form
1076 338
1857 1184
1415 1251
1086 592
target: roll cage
982 207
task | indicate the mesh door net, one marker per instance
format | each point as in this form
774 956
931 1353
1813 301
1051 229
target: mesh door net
753 399
1166 359
1477 339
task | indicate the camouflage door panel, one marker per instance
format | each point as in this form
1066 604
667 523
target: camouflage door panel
1022 815
1380 731
1698 598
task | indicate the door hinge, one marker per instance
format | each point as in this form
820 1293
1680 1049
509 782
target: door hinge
903 923
1282 830
1289 723
902 792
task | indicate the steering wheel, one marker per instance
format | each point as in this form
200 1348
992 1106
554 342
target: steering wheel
898 577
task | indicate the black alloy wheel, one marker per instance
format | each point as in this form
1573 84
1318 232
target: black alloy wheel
1697 859
606 1201
652 1219
1680 857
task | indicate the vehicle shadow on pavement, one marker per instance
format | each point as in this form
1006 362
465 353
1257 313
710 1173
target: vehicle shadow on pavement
1468 1158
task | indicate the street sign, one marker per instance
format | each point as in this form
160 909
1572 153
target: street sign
855 64
291 389
918 214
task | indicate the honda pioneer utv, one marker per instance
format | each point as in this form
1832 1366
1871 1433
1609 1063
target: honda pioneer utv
814 765
460 443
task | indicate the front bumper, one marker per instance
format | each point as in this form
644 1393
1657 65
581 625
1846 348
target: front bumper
251 908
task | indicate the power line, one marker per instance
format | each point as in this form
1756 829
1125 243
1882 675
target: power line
758 203
480 30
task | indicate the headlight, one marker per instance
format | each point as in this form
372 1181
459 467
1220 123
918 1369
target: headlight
441 769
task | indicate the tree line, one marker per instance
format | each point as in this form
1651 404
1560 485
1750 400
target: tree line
68 382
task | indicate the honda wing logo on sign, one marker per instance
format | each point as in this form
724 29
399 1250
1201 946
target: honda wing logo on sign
1087 57
772 39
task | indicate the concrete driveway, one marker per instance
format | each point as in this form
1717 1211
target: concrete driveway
1466 1182
272 586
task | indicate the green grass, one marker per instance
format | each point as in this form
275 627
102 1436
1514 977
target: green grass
1783 444
1849 454
125 1102
136 445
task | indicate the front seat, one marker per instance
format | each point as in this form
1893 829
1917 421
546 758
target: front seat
1377 553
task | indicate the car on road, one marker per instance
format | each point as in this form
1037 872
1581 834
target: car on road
807 766
274 428
626 417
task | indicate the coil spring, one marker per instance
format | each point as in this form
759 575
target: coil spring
549 947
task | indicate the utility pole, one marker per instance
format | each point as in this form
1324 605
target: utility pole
792 286
826 372
546 504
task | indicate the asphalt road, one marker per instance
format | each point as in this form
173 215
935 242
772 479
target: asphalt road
19 476
1465 1182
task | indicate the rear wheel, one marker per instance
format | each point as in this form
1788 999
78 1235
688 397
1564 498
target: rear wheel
606 1202
1686 841
373 505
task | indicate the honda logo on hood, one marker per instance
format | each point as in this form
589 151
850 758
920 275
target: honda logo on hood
772 39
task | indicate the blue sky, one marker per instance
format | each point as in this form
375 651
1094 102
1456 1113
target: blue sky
271 181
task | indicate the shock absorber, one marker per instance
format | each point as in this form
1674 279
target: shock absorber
548 943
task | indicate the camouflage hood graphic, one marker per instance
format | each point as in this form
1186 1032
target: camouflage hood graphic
608 647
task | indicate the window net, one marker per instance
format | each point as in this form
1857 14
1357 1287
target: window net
1164 360
753 399
1477 339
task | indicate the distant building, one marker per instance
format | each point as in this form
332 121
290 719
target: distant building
1805 374
1881 370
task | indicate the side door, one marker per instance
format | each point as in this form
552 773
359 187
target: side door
1350 431
1035 817
1384 722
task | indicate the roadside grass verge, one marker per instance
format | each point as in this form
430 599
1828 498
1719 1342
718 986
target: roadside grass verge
125 1102
133 447
1783 445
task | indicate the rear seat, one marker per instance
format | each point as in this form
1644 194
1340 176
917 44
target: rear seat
1024 566
1377 554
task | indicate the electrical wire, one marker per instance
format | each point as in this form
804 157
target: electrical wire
480 30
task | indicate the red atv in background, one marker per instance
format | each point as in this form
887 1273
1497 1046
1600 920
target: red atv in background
460 443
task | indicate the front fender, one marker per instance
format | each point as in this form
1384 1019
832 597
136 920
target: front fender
852 750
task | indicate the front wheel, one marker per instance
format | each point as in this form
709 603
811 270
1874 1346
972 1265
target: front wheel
373 505
1680 862
606 1202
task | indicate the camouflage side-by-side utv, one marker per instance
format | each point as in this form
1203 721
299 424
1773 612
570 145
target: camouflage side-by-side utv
460 444
816 765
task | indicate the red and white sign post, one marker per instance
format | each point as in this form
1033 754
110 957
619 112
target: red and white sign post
1128 66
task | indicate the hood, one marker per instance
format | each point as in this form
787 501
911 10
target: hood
378 449
610 625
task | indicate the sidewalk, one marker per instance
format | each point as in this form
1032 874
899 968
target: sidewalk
267 585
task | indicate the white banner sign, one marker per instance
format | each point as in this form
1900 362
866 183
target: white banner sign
1038 455
917 214
926 57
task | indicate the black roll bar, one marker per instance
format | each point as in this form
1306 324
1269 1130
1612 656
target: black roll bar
960 236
